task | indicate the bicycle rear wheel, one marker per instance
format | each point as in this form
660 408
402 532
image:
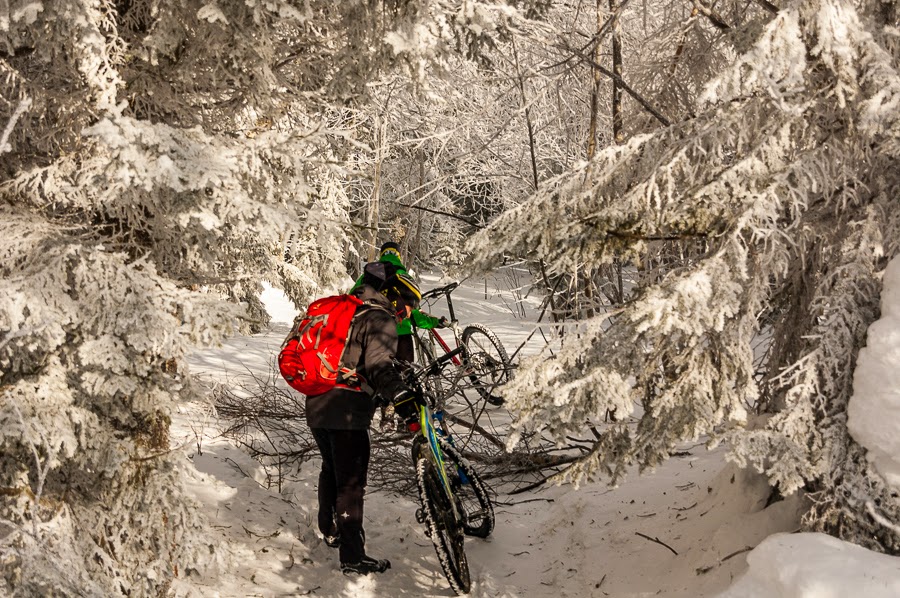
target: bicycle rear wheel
487 362
445 531
471 493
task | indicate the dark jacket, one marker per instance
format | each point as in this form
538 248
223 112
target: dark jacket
370 350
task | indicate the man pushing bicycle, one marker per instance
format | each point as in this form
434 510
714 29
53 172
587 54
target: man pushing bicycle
340 418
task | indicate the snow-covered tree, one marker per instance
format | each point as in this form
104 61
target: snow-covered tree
155 157
540 102
783 190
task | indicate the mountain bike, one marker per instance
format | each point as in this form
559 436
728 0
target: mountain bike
483 358
455 501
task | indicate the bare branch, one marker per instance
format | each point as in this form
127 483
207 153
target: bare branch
657 540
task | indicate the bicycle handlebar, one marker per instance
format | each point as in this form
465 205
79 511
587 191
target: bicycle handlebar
444 290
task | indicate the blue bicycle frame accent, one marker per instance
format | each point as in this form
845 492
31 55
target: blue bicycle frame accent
426 420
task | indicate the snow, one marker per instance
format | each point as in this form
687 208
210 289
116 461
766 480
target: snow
816 566
819 566
874 410
688 529
281 309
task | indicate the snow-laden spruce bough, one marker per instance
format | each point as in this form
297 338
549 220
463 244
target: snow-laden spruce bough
782 193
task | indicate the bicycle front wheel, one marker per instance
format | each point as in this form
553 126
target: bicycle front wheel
445 530
471 493
487 362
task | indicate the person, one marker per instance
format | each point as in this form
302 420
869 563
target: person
340 418
389 253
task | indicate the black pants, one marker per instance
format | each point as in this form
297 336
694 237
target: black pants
342 484
406 350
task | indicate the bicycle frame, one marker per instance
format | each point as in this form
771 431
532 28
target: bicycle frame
440 341
430 433
488 351
443 482
435 293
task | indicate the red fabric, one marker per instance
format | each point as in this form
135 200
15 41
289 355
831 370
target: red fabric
311 356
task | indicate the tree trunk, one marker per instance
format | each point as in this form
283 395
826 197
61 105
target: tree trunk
380 134
421 215
618 135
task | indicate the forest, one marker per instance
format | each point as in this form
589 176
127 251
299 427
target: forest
700 192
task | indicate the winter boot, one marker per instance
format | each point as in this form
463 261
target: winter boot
332 541
365 566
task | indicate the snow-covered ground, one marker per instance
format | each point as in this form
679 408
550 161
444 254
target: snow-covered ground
687 530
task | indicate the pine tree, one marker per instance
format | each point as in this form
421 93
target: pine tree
154 158
783 189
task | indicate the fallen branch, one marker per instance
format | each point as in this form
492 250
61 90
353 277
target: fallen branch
259 537
736 552
657 540
702 570
234 464
522 502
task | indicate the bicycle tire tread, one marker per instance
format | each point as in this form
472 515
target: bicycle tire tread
468 332
479 488
458 576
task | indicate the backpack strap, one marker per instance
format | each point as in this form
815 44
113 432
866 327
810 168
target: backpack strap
295 329
351 379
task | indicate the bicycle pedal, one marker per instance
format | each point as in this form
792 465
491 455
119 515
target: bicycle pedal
420 515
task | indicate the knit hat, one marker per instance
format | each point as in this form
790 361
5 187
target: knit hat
389 248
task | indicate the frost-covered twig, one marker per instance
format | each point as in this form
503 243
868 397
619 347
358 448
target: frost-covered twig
881 519
24 105
42 469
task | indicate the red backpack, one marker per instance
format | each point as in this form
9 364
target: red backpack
310 357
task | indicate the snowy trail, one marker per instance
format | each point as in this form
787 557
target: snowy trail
550 543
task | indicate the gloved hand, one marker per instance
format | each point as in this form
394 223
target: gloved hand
407 404
387 416
444 322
